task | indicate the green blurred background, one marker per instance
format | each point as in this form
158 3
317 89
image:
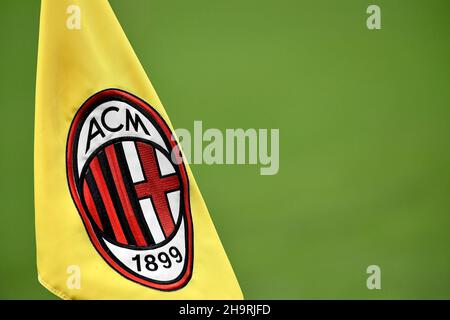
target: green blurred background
364 126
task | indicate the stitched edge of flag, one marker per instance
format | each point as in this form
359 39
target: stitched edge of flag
56 292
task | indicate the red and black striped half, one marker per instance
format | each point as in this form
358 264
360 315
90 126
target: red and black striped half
127 178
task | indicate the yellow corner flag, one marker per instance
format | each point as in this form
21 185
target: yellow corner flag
118 212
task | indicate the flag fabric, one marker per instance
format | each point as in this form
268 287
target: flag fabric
118 212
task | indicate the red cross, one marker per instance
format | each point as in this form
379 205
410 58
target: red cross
156 186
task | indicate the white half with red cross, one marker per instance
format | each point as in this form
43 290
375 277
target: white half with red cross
130 186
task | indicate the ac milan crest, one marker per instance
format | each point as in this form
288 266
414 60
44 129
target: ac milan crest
130 186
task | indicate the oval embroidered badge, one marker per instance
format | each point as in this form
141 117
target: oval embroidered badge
130 186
